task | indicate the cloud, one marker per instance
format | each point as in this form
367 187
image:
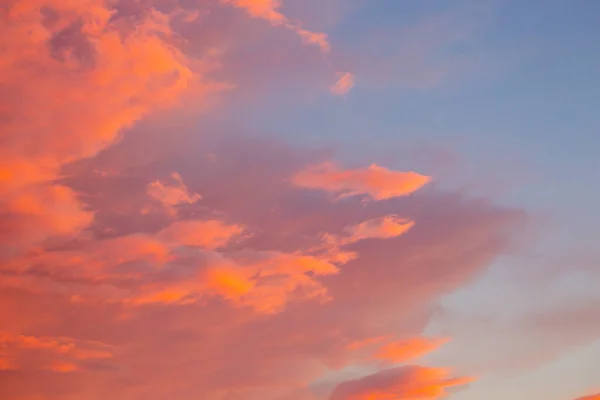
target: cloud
264 281
375 181
268 10
108 71
209 234
58 354
378 228
344 84
389 351
255 290
172 194
589 397
237 294
408 349
411 382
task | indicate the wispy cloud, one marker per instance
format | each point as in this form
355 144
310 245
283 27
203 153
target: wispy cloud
269 11
344 84
411 382
375 181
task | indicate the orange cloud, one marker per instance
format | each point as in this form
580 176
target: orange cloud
58 354
408 349
368 342
253 308
377 182
590 397
268 10
344 84
86 77
400 383
62 367
264 281
395 351
51 209
235 296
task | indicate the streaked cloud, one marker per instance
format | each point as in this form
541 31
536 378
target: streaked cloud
412 382
407 349
590 397
375 181
269 11
58 354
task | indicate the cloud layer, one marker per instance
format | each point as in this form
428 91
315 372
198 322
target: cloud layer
149 253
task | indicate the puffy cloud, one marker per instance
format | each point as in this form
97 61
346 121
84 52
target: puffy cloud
86 72
410 382
375 181
172 194
343 85
36 212
264 281
239 296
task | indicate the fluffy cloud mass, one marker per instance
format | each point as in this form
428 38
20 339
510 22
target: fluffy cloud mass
149 256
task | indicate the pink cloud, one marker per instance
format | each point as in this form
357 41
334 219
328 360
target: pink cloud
378 182
58 354
268 10
378 228
250 303
344 84
172 194
407 349
253 291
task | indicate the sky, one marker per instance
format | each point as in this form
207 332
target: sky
299 200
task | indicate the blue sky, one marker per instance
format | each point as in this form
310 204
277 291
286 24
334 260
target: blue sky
520 112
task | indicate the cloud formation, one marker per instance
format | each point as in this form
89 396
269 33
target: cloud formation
244 292
375 181
268 10
590 397
146 256
172 194
56 354
86 72
344 84
400 383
